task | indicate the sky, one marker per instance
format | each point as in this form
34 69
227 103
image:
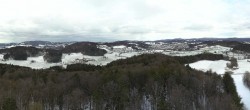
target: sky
107 20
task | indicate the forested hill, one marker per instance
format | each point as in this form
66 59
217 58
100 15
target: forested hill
146 59
154 81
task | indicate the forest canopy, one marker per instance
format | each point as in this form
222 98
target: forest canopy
154 81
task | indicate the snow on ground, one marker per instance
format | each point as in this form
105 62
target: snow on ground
109 57
67 59
242 90
216 66
71 58
120 46
18 45
117 53
216 49
105 47
95 60
1 56
211 49
244 66
220 67
32 62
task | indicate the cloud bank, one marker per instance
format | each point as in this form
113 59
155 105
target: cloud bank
105 20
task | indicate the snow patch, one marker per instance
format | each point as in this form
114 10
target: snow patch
22 45
1 56
71 58
216 66
32 62
119 47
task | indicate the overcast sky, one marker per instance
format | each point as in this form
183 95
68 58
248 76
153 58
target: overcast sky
104 20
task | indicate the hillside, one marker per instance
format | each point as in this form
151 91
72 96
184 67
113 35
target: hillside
87 48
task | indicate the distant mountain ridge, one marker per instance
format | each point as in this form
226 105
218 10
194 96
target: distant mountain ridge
40 42
205 39
36 43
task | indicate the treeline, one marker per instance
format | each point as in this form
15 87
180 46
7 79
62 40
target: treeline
77 67
87 48
204 56
52 55
145 82
242 47
20 53
146 59
223 43
230 88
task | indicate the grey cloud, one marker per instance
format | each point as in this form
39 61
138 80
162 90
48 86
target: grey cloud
57 30
198 28
132 30
242 26
228 34
121 19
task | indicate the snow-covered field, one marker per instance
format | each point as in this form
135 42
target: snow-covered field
216 66
114 53
211 49
95 60
32 62
1 56
72 58
220 67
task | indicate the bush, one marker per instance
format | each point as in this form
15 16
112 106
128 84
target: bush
20 56
6 56
233 63
246 79
53 56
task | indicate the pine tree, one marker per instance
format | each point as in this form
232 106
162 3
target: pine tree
9 104
230 88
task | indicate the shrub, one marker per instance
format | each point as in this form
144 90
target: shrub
246 79
233 63
53 56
